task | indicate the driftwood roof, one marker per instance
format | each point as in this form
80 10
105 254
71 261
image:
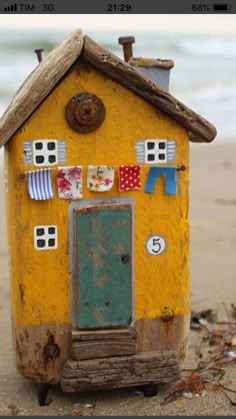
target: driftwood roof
50 71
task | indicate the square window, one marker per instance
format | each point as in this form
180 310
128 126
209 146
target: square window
51 242
51 159
45 237
162 145
41 243
38 146
150 145
151 157
40 231
39 159
155 151
46 152
51 145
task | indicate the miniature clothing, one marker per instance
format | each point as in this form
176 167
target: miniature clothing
100 178
69 182
129 177
170 179
39 184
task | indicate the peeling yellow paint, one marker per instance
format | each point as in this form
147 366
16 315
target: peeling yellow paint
41 280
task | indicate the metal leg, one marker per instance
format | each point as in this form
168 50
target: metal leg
43 393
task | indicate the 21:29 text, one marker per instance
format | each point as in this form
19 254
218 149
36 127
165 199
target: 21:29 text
116 7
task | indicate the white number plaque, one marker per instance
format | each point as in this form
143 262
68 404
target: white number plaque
155 245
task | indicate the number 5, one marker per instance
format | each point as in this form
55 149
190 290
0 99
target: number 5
155 242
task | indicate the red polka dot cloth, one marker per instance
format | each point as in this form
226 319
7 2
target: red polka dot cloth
129 177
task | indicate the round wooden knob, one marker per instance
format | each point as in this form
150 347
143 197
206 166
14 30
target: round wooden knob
85 112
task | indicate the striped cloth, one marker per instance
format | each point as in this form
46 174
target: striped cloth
39 183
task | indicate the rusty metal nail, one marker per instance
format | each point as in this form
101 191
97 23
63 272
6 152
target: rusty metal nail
51 349
127 42
39 54
167 314
182 168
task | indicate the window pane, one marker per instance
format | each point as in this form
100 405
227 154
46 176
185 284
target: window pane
162 156
51 159
51 242
41 243
150 145
38 146
51 230
39 159
40 231
151 157
51 146
162 146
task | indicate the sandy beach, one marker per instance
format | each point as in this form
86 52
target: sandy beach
213 266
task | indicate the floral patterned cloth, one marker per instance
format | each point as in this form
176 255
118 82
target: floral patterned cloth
129 177
69 182
100 178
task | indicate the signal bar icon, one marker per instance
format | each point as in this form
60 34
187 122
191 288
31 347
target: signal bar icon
12 8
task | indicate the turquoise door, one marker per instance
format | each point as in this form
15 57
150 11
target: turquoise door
104 256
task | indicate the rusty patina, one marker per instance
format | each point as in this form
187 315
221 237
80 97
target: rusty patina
127 42
85 112
51 350
38 52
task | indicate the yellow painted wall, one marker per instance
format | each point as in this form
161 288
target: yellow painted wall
40 280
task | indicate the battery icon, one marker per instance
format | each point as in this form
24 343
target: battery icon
222 7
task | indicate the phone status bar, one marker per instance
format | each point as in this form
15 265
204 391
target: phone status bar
117 7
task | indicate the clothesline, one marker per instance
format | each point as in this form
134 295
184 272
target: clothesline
178 168
99 179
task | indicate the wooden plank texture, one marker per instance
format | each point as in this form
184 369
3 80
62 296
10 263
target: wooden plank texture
39 84
100 349
159 335
122 371
41 351
201 130
103 343
110 334
151 62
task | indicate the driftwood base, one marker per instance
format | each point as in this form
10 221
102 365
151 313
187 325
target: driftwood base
120 371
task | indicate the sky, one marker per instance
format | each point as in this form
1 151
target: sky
212 24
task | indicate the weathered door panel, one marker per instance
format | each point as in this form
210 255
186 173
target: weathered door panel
103 247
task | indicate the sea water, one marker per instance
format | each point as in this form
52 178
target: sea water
204 75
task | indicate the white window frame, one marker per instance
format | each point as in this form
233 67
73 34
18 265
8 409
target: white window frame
46 236
156 151
45 152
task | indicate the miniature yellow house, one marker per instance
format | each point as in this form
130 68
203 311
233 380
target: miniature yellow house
97 177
